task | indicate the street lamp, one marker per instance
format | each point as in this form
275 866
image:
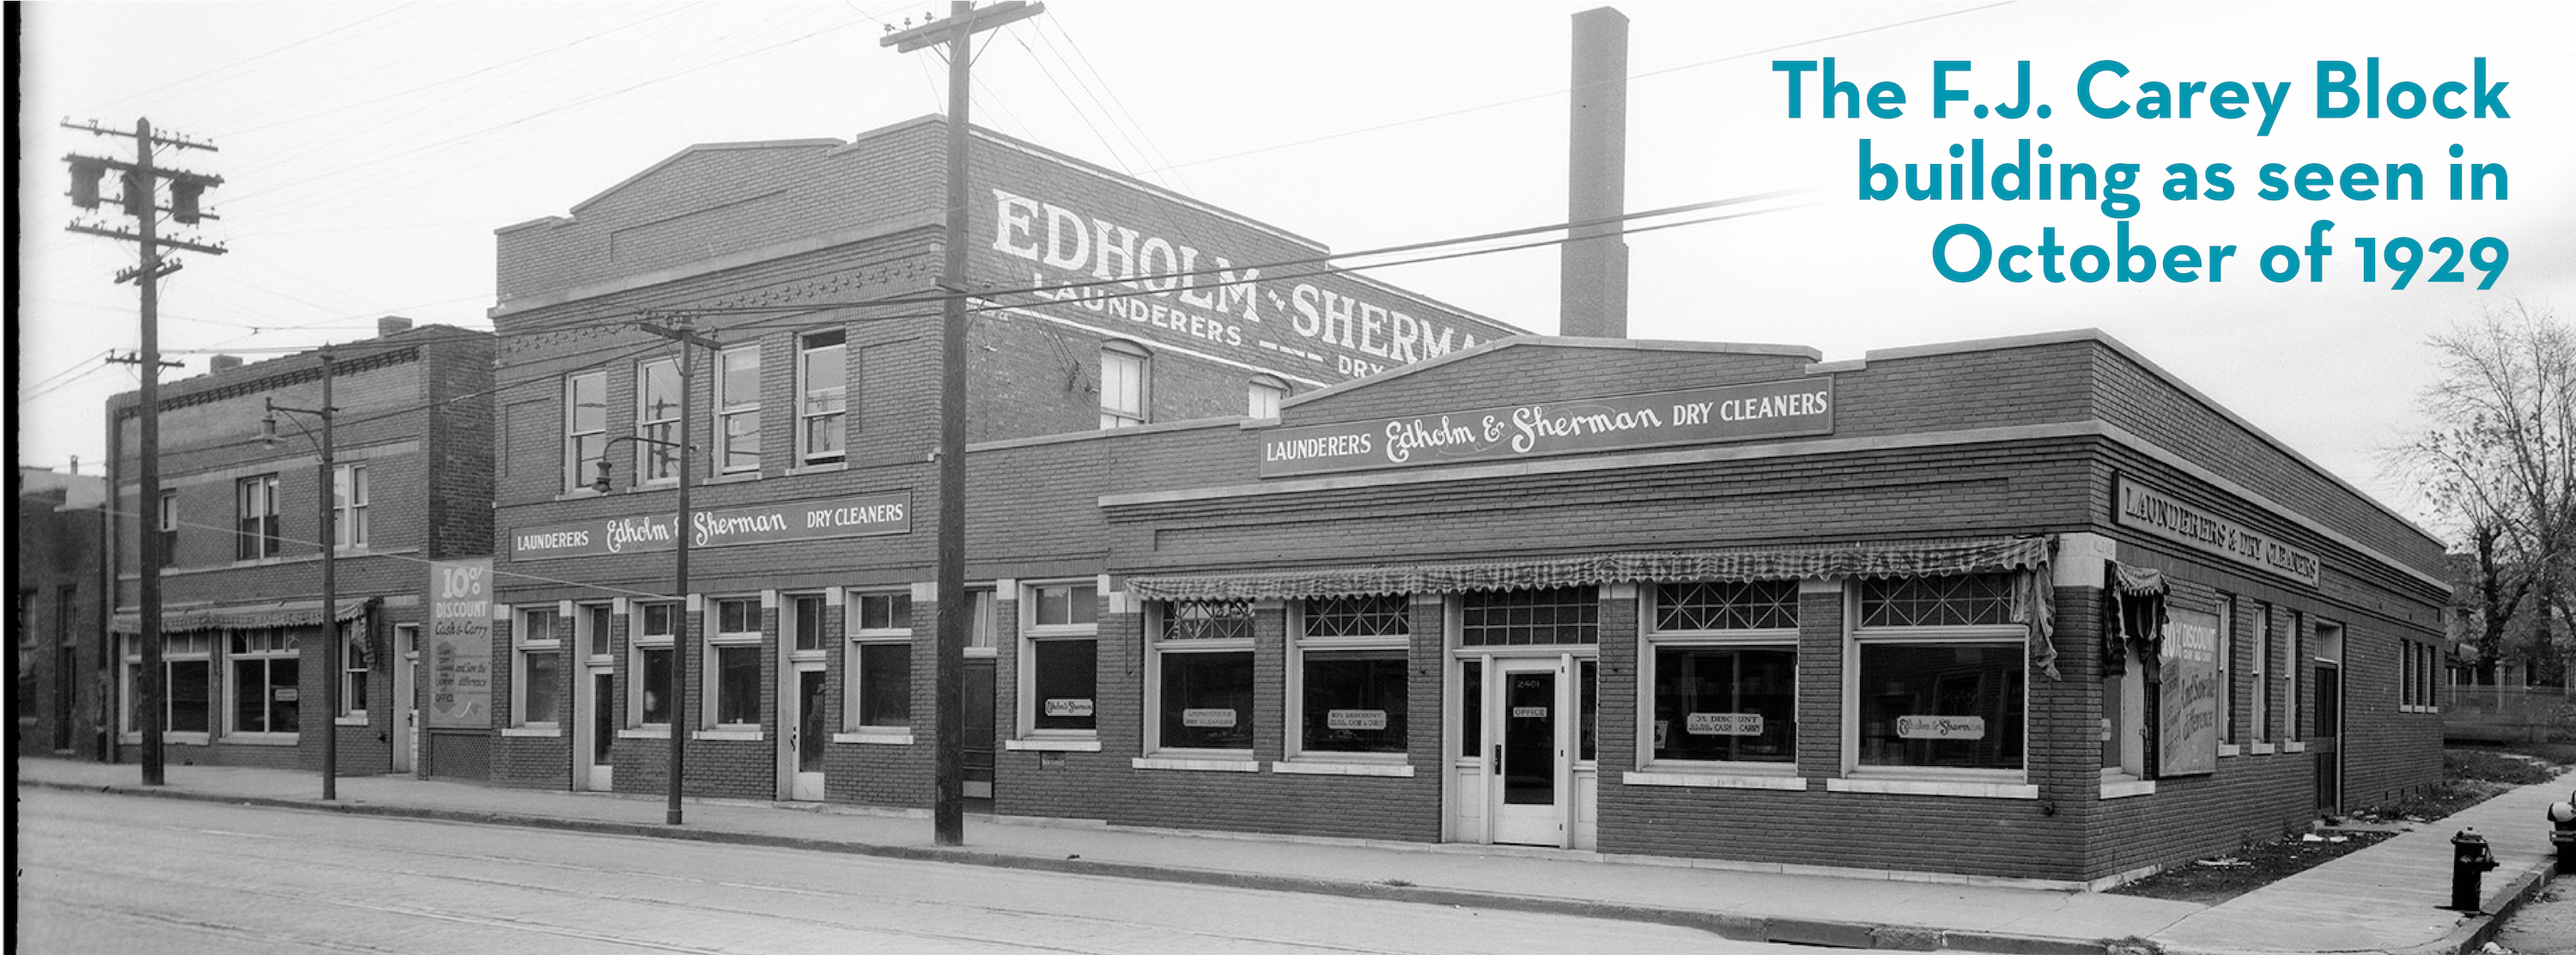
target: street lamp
330 541
680 571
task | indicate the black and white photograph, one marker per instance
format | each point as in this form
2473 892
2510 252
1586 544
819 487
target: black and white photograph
1435 478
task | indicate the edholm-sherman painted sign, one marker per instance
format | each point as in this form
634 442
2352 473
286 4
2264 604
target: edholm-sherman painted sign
460 643
2152 511
862 516
1694 416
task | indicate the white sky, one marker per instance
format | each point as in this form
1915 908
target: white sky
369 150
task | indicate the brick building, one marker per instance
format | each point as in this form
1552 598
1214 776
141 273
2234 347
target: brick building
56 623
242 616
1312 555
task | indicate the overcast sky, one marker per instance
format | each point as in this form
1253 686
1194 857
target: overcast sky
370 150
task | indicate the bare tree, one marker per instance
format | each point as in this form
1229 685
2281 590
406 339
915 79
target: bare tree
2497 462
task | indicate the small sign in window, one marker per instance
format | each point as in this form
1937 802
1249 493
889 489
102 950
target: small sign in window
1355 719
285 694
1529 712
1941 727
1724 724
1068 707
1193 717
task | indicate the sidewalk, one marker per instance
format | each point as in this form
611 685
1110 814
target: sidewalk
2381 899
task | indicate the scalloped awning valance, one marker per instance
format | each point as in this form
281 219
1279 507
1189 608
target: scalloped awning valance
285 613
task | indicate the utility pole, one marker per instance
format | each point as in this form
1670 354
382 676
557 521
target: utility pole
326 496
140 199
681 719
948 801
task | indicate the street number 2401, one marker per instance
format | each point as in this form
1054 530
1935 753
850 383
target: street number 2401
2406 257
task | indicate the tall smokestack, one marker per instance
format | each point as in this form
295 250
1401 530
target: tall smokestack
1593 285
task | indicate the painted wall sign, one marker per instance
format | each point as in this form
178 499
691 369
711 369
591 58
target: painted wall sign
1355 719
1723 724
460 643
1185 289
1940 727
1068 707
2187 707
1212 717
2147 509
865 515
1801 406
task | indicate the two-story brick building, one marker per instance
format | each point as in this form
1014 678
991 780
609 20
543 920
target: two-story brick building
58 537
1258 548
239 521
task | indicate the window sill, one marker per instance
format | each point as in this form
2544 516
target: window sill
644 732
826 467
983 653
2230 749
261 739
735 477
2125 788
1934 787
1788 781
749 734
1202 765
2259 749
874 739
182 739
1326 767
2294 747
1054 745
354 719
582 494
532 732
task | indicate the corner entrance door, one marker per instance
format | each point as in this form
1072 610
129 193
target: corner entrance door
1529 772
598 732
406 729
2327 743
806 735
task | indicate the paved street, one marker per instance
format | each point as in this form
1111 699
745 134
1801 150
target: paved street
113 874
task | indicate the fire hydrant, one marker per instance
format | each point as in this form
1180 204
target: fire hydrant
2470 861
2562 833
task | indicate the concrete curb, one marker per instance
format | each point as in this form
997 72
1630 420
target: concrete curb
1747 928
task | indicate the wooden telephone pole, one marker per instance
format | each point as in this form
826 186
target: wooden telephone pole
142 180
948 806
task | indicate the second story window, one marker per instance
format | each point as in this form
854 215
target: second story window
585 417
169 528
822 382
349 505
255 533
1265 394
738 409
657 419
1122 385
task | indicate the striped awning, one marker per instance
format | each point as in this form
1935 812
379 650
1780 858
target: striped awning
284 613
1881 559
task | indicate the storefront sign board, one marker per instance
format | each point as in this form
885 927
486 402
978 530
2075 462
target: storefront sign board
2187 710
864 515
1799 406
460 643
2155 512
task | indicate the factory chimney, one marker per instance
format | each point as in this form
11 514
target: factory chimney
1593 283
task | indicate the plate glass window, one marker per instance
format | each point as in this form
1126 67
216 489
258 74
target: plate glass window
355 658
266 693
1939 682
540 678
733 659
652 663
1203 661
186 668
1724 667
585 418
1350 667
1061 648
881 661
738 409
822 383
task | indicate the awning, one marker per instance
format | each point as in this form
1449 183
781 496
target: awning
1890 559
2028 555
2133 613
284 613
